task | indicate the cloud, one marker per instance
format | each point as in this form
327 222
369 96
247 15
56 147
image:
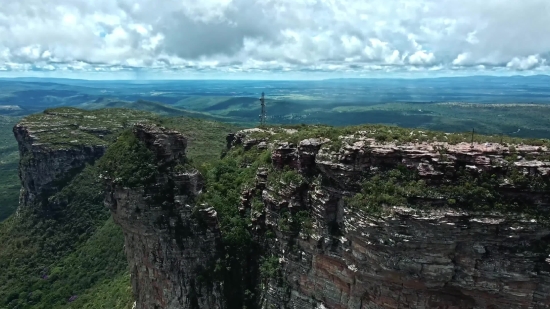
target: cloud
421 58
526 63
228 36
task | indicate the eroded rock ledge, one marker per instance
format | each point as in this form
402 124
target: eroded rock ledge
408 258
55 146
167 244
44 170
435 256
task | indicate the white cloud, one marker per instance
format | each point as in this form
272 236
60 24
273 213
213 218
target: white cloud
351 44
275 35
525 63
421 58
461 59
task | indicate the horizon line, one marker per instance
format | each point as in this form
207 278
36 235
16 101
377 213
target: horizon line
259 79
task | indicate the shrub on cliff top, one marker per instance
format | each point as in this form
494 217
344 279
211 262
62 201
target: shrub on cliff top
128 161
383 134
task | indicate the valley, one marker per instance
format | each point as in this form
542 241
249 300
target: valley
494 105
293 191
274 154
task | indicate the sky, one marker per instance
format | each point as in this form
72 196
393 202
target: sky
273 39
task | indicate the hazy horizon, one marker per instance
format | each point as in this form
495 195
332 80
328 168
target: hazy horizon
279 79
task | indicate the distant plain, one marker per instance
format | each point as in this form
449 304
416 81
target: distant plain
516 106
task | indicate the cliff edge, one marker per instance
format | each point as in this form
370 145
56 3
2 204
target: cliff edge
167 243
60 246
56 145
347 219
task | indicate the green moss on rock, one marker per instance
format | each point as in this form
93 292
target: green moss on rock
68 127
465 190
128 161
382 134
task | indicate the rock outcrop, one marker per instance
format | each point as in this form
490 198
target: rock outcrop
435 257
328 254
56 145
169 245
44 169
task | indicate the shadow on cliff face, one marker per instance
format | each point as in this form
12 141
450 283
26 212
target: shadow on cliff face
173 231
450 295
274 224
52 208
70 163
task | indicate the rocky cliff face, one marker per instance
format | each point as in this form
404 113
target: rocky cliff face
168 245
432 257
56 145
44 169
470 229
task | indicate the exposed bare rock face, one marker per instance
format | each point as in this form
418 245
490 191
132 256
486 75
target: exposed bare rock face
55 145
43 170
433 257
168 245
327 253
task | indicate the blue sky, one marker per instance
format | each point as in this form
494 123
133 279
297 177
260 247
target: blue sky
273 39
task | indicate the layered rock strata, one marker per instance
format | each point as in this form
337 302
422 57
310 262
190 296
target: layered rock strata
44 169
167 244
435 256
55 146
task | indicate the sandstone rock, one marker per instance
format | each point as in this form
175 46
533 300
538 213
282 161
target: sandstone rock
440 258
436 257
44 170
170 248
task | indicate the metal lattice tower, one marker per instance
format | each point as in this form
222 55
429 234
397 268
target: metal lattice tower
262 115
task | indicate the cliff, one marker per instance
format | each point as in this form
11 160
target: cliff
61 248
358 218
64 250
56 145
168 245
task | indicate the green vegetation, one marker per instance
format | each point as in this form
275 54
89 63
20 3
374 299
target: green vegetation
304 222
224 183
293 178
293 223
382 133
269 267
128 161
384 189
9 157
532 119
513 119
498 105
468 190
205 138
226 179
68 127
45 261
279 179
76 252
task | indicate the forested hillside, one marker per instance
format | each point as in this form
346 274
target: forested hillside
64 251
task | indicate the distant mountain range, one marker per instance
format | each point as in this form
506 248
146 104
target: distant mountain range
492 104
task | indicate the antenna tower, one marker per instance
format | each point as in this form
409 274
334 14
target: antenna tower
262 115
